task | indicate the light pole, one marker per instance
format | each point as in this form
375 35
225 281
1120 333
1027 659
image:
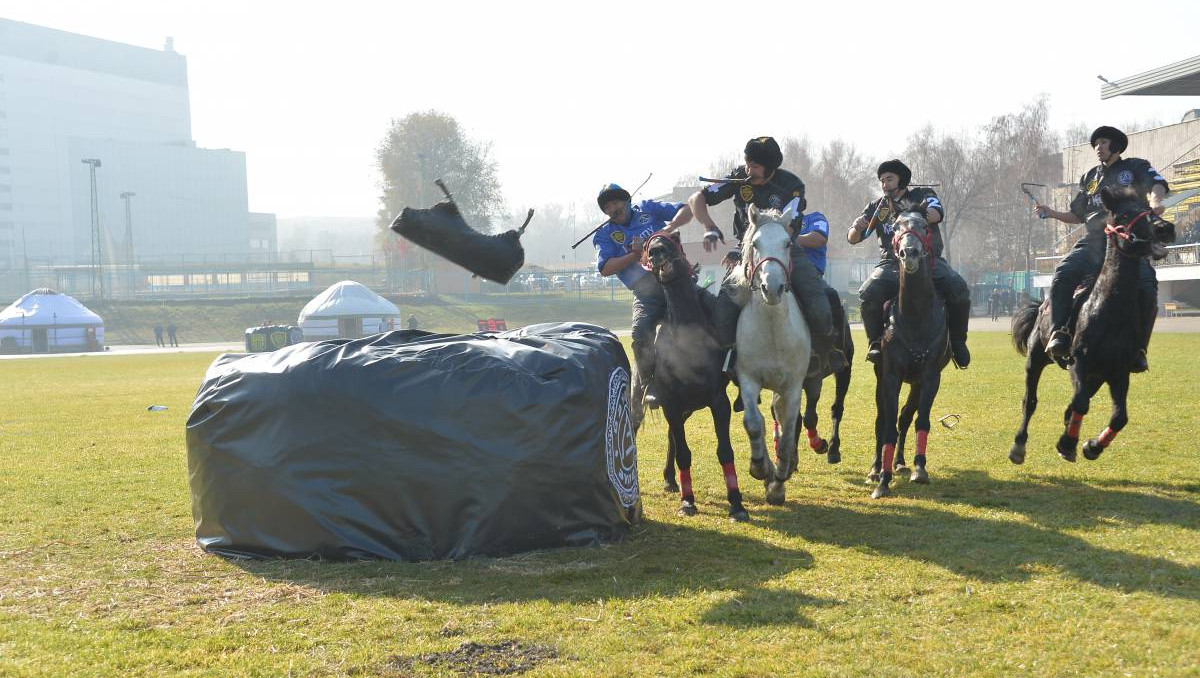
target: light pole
128 239
97 253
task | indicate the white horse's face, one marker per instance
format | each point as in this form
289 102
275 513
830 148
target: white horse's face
770 247
910 248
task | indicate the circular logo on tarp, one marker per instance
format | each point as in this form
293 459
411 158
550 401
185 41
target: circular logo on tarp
620 447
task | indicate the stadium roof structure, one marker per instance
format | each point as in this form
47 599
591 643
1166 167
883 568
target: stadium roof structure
1181 78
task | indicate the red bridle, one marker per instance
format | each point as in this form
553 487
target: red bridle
1125 231
926 240
662 236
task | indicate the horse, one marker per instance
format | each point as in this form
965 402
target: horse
831 448
773 343
689 375
915 350
1107 333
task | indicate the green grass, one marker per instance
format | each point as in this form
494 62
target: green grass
1047 569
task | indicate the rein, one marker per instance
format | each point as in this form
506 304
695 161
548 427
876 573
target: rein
1125 232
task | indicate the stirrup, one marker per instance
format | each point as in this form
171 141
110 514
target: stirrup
1140 362
874 352
1059 345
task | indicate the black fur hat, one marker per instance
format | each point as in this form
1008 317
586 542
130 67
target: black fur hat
895 167
1117 141
764 151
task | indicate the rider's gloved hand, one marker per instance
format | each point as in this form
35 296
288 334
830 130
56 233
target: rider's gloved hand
711 237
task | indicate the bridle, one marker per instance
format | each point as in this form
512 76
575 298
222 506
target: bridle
663 236
926 239
1125 232
751 268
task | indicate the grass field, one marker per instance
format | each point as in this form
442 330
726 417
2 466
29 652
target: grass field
1047 569
206 320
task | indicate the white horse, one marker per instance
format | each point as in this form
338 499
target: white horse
773 345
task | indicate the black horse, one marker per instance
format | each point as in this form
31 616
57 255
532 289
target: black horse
915 349
832 447
688 374
1107 333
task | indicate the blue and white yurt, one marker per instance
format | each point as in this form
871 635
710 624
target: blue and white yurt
45 321
347 310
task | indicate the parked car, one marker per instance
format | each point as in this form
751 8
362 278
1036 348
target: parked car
560 282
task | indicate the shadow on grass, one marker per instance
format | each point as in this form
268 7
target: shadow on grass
1001 549
1058 502
657 560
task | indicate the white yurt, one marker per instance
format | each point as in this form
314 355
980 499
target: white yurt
45 321
347 310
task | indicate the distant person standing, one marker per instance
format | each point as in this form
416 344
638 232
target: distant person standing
412 321
158 334
171 335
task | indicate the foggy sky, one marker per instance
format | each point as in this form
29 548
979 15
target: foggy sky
573 95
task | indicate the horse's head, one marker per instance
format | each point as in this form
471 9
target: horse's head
1136 231
664 252
913 240
767 255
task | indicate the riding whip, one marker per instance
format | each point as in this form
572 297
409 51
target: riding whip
1033 199
605 222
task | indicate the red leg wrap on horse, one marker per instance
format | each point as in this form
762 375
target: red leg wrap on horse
889 455
1106 437
685 482
814 440
922 442
1073 427
730 475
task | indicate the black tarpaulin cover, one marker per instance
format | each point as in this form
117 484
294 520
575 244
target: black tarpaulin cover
410 446
441 230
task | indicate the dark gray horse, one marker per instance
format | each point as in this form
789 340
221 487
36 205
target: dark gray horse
688 374
915 350
1107 334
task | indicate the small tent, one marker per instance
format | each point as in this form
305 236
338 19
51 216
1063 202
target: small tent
45 321
347 310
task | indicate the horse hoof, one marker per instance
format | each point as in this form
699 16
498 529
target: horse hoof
776 494
872 477
686 510
881 491
739 515
1092 450
1066 449
671 488
919 475
823 448
1017 454
758 470
900 469
834 457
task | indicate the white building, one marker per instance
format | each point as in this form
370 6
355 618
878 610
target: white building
65 98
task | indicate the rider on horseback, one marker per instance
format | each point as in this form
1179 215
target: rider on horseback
884 282
762 183
619 251
1088 254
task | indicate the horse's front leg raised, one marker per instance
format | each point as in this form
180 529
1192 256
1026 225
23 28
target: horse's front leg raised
721 414
1118 388
1085 388
760 464
787 411
1035 364
812 398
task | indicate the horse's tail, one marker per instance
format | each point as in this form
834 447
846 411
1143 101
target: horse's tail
1022 325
